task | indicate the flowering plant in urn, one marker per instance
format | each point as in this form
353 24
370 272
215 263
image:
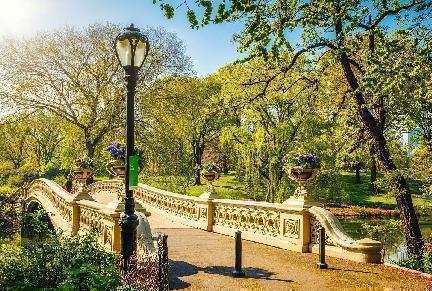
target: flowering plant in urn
301 168
210 172
116 166
83 169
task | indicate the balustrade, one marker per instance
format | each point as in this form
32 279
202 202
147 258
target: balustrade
274 224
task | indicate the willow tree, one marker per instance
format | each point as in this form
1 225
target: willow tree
185 108
74 74
339 28
271 120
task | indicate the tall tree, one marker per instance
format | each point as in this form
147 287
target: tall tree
340 27
74 74
271 120
187 107
14 147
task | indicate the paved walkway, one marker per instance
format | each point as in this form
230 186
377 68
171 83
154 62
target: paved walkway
202 260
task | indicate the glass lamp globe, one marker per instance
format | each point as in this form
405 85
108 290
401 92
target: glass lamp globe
131 47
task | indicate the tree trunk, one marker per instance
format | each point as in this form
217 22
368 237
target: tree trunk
399 184
373 171
409 219
198 176
90 148
357 176
198 146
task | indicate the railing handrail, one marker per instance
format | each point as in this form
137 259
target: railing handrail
62 193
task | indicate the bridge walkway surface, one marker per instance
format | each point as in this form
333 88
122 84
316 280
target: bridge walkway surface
204 260
201 260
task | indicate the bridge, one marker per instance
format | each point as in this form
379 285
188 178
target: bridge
280 239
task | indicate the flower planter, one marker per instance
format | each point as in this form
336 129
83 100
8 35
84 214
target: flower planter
210 176
81 174
301 175
116 168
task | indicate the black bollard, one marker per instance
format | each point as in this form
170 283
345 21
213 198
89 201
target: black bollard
238 273
322 264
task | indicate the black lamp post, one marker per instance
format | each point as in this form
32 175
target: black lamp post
131 49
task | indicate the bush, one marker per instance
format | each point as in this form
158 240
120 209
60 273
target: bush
77 263
9 211
387 232
419 264
35 224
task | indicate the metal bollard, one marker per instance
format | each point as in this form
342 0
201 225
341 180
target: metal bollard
238 273
322 263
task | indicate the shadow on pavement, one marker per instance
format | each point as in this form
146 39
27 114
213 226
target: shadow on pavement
180 269
349 270
254 273
183 269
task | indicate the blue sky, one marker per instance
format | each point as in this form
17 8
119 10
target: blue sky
210 47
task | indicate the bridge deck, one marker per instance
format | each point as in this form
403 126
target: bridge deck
204 260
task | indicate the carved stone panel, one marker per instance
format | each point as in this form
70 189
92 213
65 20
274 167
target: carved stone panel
292 228
315 226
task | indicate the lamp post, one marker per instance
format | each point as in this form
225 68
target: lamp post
131 49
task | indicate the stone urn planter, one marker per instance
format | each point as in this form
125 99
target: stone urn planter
210 177
81 174
301 176
117 168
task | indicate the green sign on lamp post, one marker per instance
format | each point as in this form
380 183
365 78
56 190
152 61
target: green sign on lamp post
133 172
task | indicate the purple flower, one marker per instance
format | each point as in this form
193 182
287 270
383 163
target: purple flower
284 160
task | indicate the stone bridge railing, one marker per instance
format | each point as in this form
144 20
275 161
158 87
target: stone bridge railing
272 224
80 213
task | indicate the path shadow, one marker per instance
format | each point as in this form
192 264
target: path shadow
349 270
180 269
254 273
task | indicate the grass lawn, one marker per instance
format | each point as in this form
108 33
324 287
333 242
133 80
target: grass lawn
229 187
359 194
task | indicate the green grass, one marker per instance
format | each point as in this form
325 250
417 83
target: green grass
358 194
228 186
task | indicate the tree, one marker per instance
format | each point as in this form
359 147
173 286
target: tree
14 147
45 136
271 120
75 75
339 28
187 107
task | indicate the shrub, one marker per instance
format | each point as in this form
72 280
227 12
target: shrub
387 232
35 224
9 211
77 263
417 263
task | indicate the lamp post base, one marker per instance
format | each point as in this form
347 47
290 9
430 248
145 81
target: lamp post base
128 224
238 274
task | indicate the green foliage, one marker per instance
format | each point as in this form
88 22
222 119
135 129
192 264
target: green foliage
34 224
9 210
77 263
168 10
419 263
386 232
421 167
